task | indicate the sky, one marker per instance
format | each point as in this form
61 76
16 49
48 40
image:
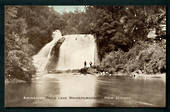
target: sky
68 8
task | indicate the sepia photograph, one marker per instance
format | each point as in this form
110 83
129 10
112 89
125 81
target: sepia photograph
85 56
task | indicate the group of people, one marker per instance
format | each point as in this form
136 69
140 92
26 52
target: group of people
90 63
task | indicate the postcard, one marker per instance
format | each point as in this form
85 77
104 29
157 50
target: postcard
85 56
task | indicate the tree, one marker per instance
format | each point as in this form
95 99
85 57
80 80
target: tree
18 63
120 27
41 22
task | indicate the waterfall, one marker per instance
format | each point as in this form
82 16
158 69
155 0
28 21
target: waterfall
41 59
66 54
75 50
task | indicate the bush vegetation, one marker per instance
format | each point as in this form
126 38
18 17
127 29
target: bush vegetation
149 59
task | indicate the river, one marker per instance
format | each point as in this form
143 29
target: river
79 90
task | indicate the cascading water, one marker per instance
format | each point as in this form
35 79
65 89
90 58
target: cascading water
41 59
75 50
66 54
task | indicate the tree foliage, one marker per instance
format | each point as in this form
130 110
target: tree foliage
120 27
18 64
41 22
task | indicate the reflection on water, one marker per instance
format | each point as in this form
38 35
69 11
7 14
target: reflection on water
68 90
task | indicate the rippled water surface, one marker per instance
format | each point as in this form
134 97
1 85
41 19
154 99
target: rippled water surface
78 90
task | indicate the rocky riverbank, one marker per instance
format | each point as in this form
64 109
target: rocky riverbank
134 75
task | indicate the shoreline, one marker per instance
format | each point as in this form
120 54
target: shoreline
133 75
15 81
136 76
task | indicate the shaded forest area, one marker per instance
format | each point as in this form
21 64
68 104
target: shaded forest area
121 34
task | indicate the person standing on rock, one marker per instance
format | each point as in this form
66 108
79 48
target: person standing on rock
84 64
90 64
